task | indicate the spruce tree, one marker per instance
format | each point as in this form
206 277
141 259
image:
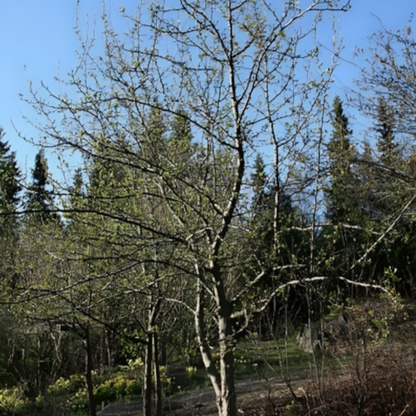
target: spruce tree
265 202
343 239
340 152
181 128
258 183
153 135
39 198
9 184
76 195
262 209
9 200
386 144
340 145
180 138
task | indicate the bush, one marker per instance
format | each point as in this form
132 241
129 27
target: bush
78 403
379 376
12 402
117 388
63 387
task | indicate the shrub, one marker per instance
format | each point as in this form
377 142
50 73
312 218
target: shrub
78 403
117 388
63 387
11 402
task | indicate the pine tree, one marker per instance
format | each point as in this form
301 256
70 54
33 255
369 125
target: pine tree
39 198
340 148
262 209
9 200
384 127
350 201
263 214
340 152
9 183
154 134
76 195
258 183
180 138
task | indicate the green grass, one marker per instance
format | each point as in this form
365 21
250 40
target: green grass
253 360
264 359
264 356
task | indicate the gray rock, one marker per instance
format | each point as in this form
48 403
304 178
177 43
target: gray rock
309 337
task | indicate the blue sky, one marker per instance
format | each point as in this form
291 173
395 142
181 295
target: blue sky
39 35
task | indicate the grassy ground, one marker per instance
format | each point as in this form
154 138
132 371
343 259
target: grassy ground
375 375
374 378
252 360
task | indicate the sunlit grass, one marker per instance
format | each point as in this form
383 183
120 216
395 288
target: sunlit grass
270 358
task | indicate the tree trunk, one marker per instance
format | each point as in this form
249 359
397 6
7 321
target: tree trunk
203 343
147 380
223 382
158 385
110 362
226 402
88 373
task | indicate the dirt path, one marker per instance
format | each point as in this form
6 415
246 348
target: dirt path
202 402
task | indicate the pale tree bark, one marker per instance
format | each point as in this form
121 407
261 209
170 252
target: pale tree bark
88 371
147 379
152 361
222 381
158 382
212 77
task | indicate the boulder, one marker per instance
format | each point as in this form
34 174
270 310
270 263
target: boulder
309 337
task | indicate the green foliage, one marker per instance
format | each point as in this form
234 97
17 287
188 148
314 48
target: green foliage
259 182
9 175
10 188
78 402
340 192
191 371
116 387
12 402
386 144
340 140
38 197
294 409
161 207
64 387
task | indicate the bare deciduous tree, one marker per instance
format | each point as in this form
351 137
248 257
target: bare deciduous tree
229 71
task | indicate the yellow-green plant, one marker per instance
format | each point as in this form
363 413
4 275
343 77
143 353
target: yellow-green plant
12 401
